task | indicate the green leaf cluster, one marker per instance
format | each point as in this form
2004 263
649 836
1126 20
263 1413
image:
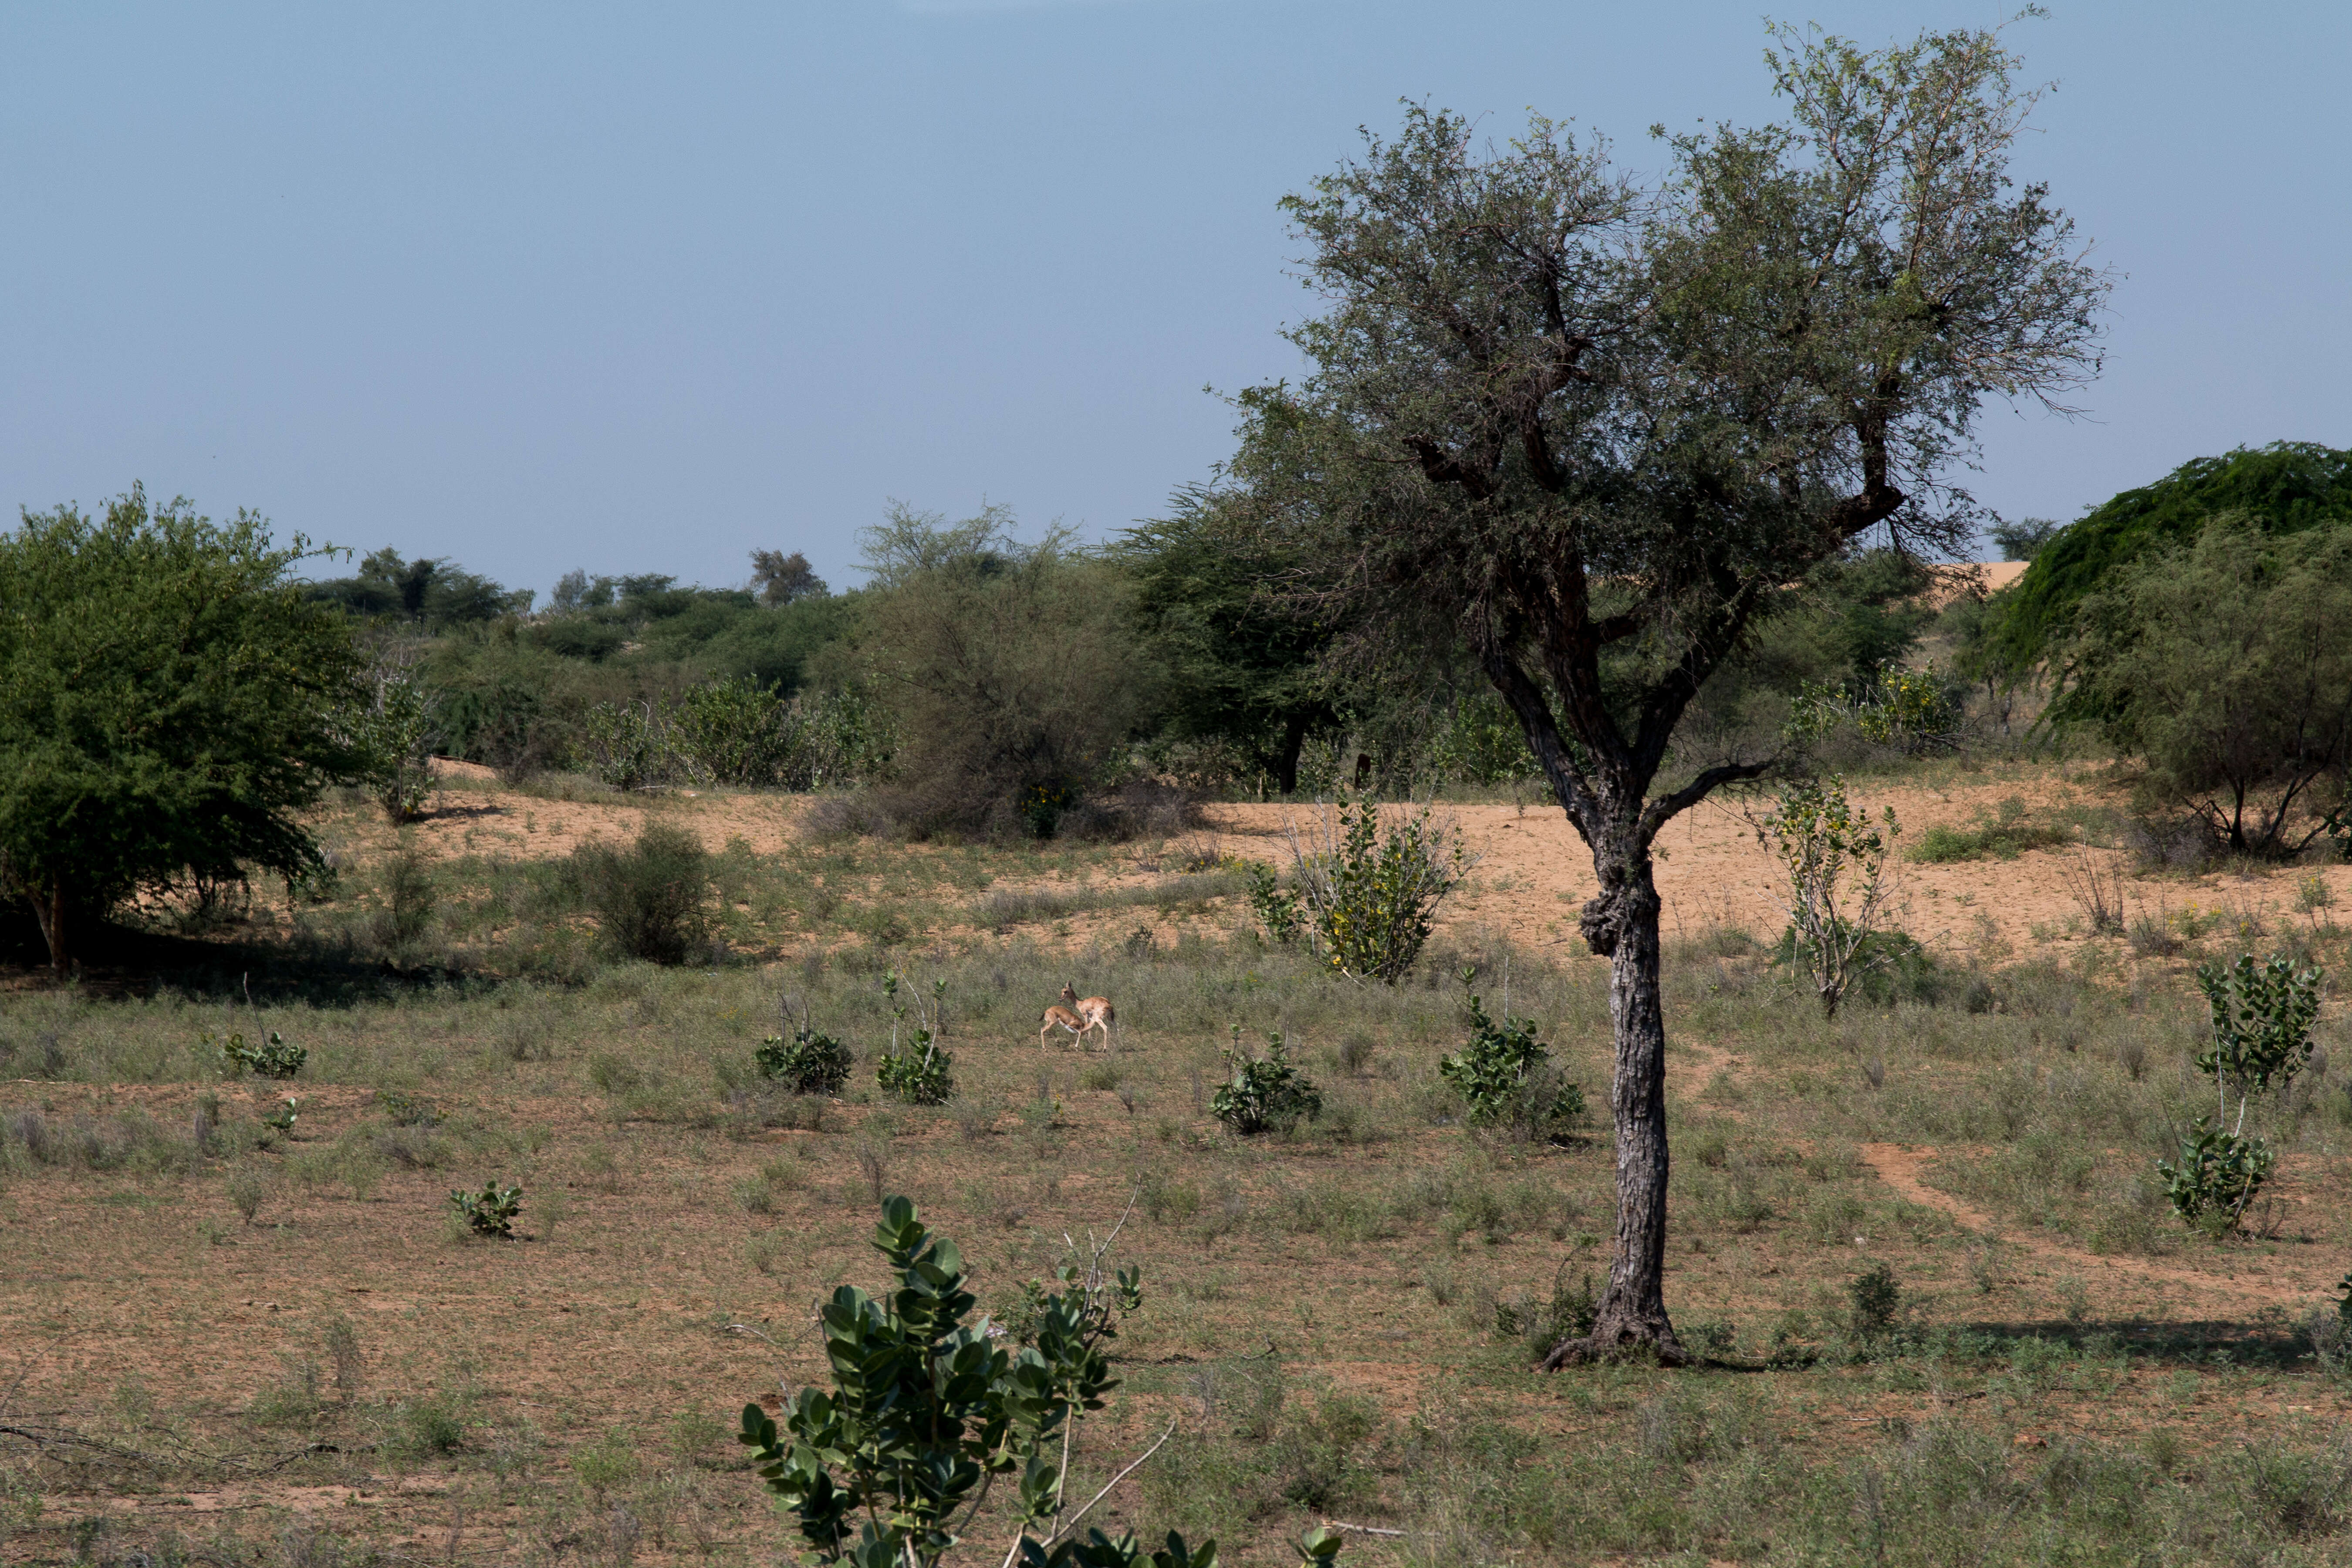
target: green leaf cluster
2262 1019
928 1412
1505 1077
273 1057
491 1211
812 1063
1265 1093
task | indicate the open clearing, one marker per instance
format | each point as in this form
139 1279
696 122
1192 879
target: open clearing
1330 1317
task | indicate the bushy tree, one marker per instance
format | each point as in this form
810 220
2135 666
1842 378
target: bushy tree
2288 487
1010 671
2227 666
780 579
1242 661
1557 419
170 703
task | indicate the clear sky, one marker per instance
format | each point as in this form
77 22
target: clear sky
637 289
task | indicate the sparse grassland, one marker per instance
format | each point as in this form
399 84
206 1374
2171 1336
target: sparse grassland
1949 1315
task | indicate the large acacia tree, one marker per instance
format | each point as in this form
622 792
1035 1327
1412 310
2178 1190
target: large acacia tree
1593 430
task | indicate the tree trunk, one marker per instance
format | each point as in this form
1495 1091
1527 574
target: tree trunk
1294 741
1631 1318
49 909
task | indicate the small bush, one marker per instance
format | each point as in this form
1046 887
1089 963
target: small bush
1370 899
409 899
491 1211
1506 1077
1265 1094
812 1063
273 1057
648 900
248 1189
919 1074
1876 1299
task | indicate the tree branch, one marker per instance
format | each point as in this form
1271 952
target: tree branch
1666 808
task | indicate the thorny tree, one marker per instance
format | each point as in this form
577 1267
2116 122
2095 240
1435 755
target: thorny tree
1595 431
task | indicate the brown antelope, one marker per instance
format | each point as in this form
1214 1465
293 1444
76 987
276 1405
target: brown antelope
1095 1012
1062 1015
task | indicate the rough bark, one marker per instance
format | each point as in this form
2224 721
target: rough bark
1294 741
50 911
1621 923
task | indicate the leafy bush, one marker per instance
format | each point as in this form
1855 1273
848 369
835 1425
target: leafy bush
626 744
919 1074
491 1211
1370 899
409 897
2003 837
648 900
2262 1019
812 1063
1876 1299
1506 1077
1278 909
403 1108
273 1057
2218 1175
1822 841
926 1411
395 731
1265 1093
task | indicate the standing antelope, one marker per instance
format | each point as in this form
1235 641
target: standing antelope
1096 1012
1062 1015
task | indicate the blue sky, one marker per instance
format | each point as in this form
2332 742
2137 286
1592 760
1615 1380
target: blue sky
640 289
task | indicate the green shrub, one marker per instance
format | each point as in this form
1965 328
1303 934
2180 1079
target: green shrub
2261 1039
403 1108
1278 909
1876 1299
648 900
395 731
812 1063
919 1074
409 897
273 1057
491 1211
626 744
1265 1093
1370 899
1506 1077
927 1410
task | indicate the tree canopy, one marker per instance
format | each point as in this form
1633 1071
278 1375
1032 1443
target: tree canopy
170 701
2286 487
1592 433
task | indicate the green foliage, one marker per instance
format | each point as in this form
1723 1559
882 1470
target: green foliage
1278 910
1010 673
813 1063
272 1058
169 706
2218 1174
395 731
1371 898
1265 1093
1243 667
1833 863
403 1108
2262 1019
919 1073
1504 1075
1876 1299
2288 487
491 1211
1909 710
437 593
2227 666
649 900
2261 1039
886 1467
2003 835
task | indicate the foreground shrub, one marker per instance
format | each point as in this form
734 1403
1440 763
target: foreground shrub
2260 1039
649 900
926 1411
491 1211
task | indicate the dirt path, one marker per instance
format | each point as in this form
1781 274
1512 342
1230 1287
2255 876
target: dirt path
1900 1168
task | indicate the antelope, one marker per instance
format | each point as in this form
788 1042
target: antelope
1096 1012
1062 1015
